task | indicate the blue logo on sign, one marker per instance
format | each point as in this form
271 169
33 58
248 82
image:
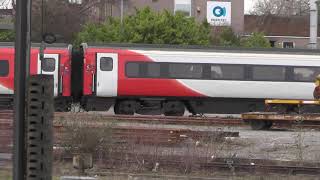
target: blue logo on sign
218 11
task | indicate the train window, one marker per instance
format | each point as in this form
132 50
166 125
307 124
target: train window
153 70
306 74
132 70
227 72
216 72
106 64
185 71
4 68
269 73
48 64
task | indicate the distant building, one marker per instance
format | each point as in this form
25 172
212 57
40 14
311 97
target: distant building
282 32
218 10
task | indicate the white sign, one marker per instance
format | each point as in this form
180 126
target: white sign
219 13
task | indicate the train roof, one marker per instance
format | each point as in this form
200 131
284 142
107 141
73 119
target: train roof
37 45
201 48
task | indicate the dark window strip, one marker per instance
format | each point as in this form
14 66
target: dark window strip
141 71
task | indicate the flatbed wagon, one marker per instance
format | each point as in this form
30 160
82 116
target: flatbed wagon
284 111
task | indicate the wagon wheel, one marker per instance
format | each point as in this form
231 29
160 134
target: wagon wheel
260 125
268 125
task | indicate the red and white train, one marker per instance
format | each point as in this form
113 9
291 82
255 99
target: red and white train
151 80
57 63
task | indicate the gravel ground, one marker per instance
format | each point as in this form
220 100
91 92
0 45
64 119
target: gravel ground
300 145
287 145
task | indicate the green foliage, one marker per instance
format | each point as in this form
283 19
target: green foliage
228 38
148 27
7 35
256 40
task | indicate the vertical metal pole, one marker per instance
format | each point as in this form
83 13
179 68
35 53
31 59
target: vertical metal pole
41 50
313 24
42 18
121 18
121 9
22 49
28 37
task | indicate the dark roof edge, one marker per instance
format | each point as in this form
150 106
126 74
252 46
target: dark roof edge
200 48
55 45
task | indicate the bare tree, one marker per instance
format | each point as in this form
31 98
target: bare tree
64 17
5 4
59 17
281 7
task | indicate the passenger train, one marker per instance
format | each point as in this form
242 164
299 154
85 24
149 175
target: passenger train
57 63
169 80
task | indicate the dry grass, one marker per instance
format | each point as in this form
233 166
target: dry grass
97 140
79 137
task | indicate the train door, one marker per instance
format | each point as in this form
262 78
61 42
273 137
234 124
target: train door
50 65
107 75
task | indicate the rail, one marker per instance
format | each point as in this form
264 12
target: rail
123 134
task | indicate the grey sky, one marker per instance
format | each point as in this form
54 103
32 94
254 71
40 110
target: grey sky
248 5
5 4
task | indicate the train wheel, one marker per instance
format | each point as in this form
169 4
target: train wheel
62 106
260 125
125 107
173 108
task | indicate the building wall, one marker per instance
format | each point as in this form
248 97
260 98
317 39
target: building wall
279 29
199 9
299 42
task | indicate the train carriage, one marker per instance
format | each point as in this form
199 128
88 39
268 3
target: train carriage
169 80
57 62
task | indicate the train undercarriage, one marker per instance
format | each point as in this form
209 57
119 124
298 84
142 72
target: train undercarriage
171 106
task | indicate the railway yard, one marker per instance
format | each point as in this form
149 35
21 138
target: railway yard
168 83
159 144
135 93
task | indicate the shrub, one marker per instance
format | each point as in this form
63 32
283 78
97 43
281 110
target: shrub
256 40
148 27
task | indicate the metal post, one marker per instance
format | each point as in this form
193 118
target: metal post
313 24
42 17
121 9
22 49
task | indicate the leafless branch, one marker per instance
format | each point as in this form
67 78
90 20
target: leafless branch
281 7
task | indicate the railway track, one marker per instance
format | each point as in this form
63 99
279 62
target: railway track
140 135
121 134
99 119
187 164
192 120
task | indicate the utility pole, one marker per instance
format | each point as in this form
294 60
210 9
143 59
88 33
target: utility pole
21 72
313 24
121 10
